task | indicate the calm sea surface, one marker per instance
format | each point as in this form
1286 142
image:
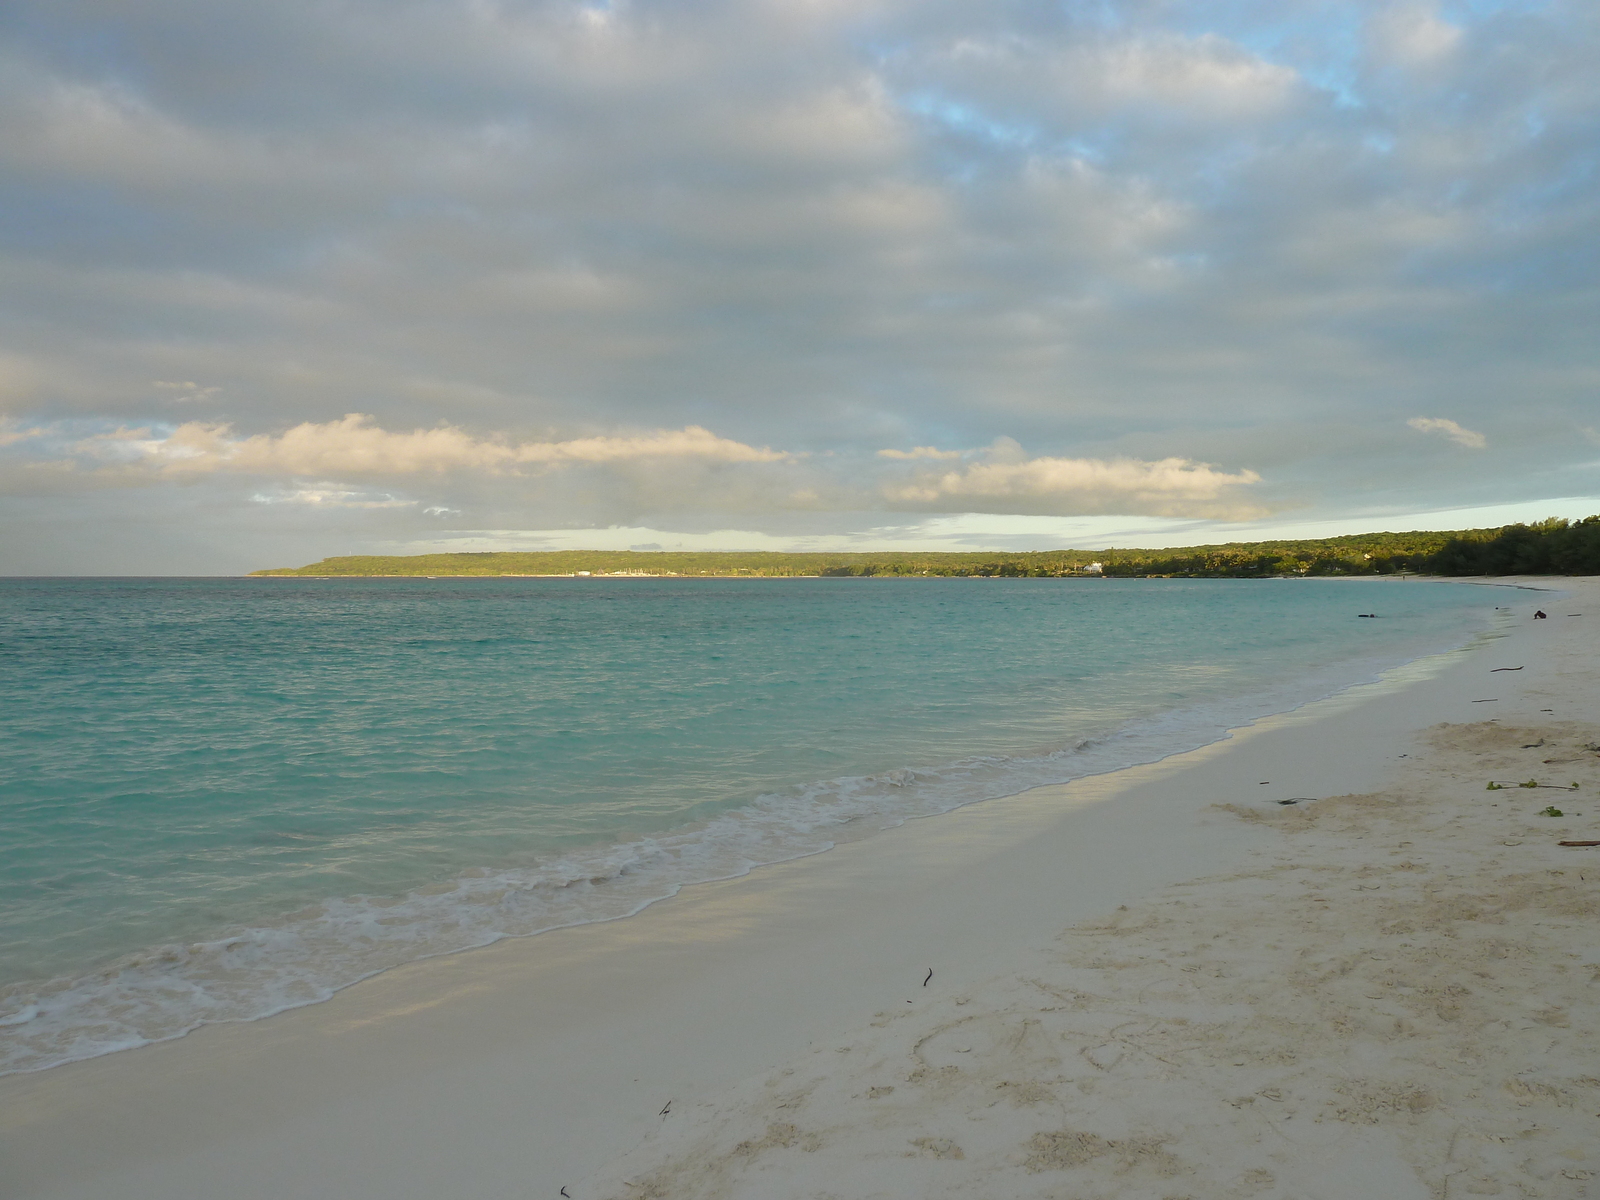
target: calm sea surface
220 798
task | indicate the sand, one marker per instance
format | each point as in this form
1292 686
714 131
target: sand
1159 983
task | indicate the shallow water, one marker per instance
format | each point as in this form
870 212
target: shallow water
225 797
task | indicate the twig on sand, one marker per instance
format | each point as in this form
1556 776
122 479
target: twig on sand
930 976
1492 670
1578 843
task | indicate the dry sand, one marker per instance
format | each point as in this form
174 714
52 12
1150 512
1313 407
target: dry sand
1386 992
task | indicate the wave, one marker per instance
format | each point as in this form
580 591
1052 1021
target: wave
306 956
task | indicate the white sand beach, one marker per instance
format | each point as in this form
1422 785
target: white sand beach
1160 983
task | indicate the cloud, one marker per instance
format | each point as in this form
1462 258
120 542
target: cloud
12 432
1415 35
1191 78
1208 72
330 495
353 446
186 392
1127 234
1445 427
315 463
1070 486
919 452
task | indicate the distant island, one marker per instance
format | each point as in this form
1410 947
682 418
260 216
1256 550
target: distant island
1554 547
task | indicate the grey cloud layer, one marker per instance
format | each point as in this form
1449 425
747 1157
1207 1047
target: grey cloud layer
1138 239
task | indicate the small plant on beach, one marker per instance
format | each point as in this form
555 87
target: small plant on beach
1551 811
1532 783
1495 787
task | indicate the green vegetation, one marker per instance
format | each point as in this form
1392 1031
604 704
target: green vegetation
1553 547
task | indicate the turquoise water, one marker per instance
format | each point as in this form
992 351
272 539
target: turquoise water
225 797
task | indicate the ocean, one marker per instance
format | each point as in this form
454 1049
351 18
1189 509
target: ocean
220 798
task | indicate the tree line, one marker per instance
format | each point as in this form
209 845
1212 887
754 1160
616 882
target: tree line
1553 547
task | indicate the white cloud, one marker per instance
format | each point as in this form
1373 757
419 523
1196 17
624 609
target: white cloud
314 463
1445 427
1207 77
12 431
834 126
1207 72
1167 487
331 495
1415 35
919 452
354 446
186 392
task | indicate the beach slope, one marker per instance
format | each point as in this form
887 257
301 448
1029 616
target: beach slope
1162 982
1394 997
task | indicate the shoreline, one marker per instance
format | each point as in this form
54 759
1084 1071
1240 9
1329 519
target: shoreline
1152 739
1389 997
547 1057
1398 576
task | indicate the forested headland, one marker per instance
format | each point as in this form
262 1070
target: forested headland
1554 547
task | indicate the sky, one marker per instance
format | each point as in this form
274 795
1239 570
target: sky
291 280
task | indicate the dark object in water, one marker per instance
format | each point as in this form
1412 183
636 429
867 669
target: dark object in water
930 976
1578 843
1486 701
1492 670
1366 614
1296 799
1538 614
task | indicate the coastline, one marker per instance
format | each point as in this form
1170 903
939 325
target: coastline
1390 997
252 969
1398 577
533 1060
